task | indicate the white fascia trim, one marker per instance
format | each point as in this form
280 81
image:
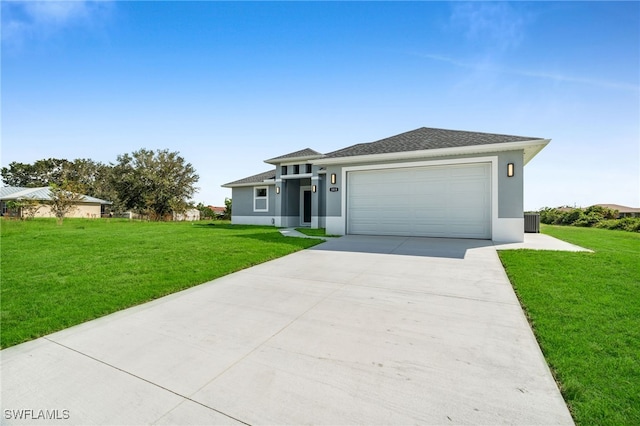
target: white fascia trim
531 148
263 183
490 159
292 161
299 176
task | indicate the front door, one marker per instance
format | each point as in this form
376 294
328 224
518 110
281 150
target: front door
305 206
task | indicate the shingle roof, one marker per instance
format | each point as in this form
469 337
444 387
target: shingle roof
426 138
259 178
621 209
40 194
307 152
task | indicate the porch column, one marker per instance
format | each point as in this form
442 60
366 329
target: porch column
315 202
280 209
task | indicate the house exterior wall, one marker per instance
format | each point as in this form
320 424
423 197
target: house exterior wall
84 210
507 192
329 202
511 189
243 206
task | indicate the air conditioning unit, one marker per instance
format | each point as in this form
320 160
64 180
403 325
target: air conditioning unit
532 222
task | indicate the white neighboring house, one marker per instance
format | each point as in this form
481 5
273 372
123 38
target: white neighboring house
88 207
189 215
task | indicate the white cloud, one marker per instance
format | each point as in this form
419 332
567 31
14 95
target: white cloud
497 24
37 19
554 76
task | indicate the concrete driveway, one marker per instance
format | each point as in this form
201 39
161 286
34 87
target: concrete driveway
358 330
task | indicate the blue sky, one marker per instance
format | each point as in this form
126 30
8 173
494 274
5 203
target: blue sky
232 84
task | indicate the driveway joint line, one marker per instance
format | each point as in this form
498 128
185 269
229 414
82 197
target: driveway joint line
145 380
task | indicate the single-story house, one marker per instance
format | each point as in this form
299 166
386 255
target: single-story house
623 211
425 182
218 211
189 215
88 207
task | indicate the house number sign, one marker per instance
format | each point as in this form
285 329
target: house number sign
333 189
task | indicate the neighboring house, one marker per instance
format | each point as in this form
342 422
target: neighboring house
623 211
88 207
188 215
425 182
218 211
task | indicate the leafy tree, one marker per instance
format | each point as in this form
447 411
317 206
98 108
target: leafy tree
205 212
40 173
156 183
64 200
228 205
24 208
89 177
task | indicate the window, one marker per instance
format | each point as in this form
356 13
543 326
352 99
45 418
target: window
284 170
307 168
296 169
261 199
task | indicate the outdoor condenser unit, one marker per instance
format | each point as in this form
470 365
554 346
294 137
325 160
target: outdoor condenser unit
532 222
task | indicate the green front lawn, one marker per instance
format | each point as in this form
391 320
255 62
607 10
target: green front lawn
313 232
54 276
585 311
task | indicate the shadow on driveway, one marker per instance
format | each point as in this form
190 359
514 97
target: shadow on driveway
453 248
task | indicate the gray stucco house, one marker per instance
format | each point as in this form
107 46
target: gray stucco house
425 182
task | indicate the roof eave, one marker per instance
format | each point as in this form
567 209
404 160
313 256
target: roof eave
257 183
276 161
530 147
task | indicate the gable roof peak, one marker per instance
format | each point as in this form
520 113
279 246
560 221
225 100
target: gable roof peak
303 154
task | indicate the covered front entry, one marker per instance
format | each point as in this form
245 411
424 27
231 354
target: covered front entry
305 206
433 201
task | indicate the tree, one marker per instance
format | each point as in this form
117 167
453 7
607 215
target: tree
228 205
24 208
156 183
89 177
205 212
40 173
64 200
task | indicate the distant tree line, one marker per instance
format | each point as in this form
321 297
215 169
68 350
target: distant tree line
594 216
153 183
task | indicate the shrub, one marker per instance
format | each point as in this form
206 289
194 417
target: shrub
573 216
630 224
594 216
550 216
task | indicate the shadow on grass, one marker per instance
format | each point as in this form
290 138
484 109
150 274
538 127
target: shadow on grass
271 234
231 227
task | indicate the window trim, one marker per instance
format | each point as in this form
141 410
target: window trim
256 198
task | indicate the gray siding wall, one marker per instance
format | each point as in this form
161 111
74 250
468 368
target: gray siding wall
292 198
511 189
243 201
333 200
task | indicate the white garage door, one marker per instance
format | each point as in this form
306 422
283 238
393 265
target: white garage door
438 201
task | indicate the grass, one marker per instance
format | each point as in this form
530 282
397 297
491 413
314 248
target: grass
584 309
319 232
54 276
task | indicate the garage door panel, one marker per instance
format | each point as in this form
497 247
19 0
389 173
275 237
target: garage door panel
444 201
